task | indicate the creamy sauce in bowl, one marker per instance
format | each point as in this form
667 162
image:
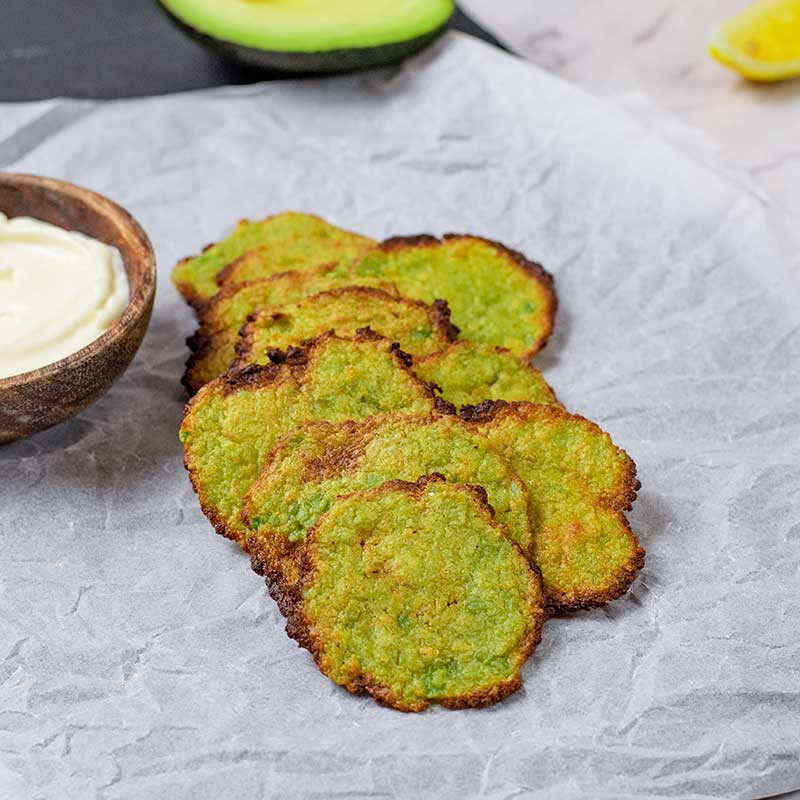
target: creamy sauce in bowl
59 291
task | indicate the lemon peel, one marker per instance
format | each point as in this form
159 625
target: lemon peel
762 42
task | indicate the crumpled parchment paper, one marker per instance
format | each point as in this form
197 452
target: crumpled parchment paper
652 60
140 657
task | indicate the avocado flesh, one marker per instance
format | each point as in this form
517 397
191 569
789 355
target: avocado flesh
312 26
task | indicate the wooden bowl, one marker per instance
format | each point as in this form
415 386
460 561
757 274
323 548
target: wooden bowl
33 401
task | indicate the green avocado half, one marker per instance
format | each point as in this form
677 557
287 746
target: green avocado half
313 35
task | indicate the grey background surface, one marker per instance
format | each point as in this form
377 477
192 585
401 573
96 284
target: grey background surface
113 48
139 657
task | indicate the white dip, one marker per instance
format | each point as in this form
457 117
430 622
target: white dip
59 291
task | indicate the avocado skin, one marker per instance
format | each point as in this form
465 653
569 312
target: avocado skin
312 63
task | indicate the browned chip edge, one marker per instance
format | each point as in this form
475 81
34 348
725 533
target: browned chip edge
532 268
197 302
624 578
290 602
187 290
489 410
226 271
617 503
204 339
438 314
524 360
292 361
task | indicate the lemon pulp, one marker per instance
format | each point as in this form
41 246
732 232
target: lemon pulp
762 42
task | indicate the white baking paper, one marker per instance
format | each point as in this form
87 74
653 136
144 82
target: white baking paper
652 59
139 655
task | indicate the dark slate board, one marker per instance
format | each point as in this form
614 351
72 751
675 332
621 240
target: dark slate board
112 48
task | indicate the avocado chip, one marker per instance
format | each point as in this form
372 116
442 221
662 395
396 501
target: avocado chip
232 423
213 346
575 481
496 295
288 241
418 328
414 594
469 373
314 464
468 269
579 483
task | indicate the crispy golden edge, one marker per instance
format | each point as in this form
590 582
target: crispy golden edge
188 292
438 314
289 598
492 410
224 274
210 331
204 340
525 362
226 277
207 336
252 377
618 502
265 561
532 269
623 581
294 362
280 555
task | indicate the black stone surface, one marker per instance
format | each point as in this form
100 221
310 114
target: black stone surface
112 48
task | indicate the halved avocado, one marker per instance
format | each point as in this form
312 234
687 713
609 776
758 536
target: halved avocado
313 35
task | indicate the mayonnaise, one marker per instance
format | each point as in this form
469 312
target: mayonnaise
59 291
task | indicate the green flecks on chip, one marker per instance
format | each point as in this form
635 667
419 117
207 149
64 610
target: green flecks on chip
288 241
317 463
420 597
494 298
227 433
228 311
541 438
578 483
468 373
574 482
415 326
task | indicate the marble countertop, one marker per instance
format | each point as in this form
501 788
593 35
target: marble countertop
651 59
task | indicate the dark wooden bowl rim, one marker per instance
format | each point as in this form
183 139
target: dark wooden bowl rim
139 294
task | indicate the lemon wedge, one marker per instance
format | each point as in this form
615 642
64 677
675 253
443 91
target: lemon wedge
763 42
